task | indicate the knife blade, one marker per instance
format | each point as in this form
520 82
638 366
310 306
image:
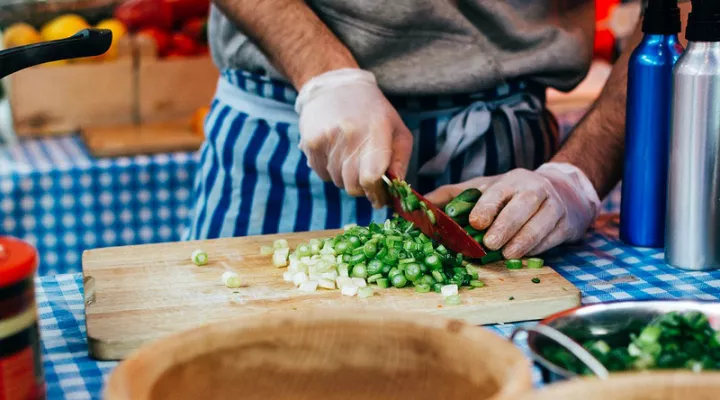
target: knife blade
439 227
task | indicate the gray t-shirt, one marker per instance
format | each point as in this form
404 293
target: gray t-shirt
418 47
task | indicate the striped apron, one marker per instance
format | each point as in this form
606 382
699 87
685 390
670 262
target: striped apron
252 178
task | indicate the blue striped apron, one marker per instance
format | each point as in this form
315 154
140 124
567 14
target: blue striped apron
252 178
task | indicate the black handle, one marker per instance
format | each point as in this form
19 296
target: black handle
86 43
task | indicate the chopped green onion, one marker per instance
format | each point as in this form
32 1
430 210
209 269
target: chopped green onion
354 241
359 271
399 280
412 203
266 250
491 257
477 283
199 257
422 288
303 250
453 300
438 276
479 237
535 263
470 230
231 279
356 259
394 271
536 280
374 278
513 264
374 267
472 271
280 244
431 216
342 247
428 280
344 270
458 208
383 283
349 290
449 290
413 272
433 262
365 292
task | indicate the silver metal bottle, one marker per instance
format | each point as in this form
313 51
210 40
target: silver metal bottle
692 238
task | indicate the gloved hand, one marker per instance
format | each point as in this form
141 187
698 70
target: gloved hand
351 134
529 212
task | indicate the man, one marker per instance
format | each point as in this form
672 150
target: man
449 94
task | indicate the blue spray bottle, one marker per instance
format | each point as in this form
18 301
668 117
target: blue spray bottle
647 130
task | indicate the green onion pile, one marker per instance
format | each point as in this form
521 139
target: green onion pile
395 254
672 341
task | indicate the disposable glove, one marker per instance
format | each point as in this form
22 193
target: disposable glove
351 134
529 212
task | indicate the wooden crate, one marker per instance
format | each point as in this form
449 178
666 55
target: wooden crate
167 93
172 89
59 100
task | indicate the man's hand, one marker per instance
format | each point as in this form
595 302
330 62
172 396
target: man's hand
351 134
529 212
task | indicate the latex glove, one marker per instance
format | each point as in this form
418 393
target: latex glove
351 134
529 212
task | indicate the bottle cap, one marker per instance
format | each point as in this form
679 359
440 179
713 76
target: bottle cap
18 261
662 17
704 21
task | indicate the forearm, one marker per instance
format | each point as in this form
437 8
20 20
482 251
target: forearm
597 143
289 33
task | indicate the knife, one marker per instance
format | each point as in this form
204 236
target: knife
433 222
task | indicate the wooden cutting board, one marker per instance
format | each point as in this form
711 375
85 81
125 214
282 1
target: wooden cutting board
148 138
135 294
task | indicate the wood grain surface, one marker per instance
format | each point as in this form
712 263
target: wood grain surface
136 294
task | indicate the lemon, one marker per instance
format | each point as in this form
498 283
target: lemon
20 34
118 31
63 27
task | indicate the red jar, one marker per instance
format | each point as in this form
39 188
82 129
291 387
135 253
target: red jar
21 374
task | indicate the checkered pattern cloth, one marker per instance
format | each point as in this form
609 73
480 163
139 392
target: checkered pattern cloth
602 267
62 200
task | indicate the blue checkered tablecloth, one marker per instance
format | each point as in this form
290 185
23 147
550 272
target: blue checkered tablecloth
602 267
58 197
61 199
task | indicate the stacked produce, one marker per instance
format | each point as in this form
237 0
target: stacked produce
177 27
62 27
673 340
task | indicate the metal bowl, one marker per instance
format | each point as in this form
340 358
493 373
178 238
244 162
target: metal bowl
38 12
611 322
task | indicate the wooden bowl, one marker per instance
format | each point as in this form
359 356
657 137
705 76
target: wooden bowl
347 354
635 386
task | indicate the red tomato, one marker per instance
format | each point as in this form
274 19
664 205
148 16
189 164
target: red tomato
183 44
161 39
183 10
140 14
